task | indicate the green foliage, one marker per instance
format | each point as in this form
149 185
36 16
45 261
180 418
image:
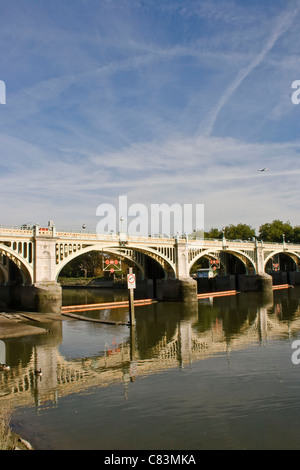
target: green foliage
296 234
232 232
275 231
213 233
239 232
84 265
7 438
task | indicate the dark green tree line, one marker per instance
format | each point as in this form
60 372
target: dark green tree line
276 231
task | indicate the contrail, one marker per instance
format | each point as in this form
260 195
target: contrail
282 24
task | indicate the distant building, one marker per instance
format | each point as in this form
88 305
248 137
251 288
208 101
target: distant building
207 273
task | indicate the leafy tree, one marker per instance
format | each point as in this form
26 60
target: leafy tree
213 233
239 232
232 232
296 234
86 265
274 231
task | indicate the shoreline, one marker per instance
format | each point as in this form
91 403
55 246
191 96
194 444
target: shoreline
14 324
9 439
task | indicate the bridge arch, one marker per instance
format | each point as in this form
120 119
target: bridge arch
245 258
118 251
161 257
291 254
25 269
207 254
89 249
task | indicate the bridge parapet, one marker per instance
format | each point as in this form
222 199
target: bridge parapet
15 232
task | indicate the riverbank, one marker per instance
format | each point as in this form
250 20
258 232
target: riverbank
86 282
9 440
15 324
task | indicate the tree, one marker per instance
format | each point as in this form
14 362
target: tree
232 232
213 233
86 265
239 232
276 231
296 234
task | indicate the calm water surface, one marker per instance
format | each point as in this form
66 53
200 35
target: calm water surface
216 374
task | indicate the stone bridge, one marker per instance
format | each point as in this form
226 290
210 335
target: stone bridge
38 255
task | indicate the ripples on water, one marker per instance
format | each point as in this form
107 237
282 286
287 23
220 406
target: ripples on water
213 375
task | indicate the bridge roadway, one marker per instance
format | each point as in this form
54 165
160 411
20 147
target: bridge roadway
41 253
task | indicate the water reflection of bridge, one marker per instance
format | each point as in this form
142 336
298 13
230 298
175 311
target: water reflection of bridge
122 363
187 347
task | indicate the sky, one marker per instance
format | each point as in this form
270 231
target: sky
161 101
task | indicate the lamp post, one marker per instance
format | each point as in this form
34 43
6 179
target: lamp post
121 220
223 237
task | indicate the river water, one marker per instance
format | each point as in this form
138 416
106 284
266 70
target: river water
217 374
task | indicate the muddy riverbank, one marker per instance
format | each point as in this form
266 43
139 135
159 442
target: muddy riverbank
15 324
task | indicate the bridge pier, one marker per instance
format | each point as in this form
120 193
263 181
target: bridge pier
264 282
255 283
42 298
47 297
176 290
183 288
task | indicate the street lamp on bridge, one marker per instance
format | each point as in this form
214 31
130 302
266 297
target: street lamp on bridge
121 220
223 238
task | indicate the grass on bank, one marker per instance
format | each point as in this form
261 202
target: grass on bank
82 281
8 440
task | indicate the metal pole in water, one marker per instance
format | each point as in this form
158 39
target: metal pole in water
131 287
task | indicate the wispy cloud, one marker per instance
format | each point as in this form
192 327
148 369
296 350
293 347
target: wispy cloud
177 170
148 99
282 24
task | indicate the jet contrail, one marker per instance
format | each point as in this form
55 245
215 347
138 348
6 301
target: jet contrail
282 24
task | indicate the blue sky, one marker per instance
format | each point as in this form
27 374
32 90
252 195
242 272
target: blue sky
165 101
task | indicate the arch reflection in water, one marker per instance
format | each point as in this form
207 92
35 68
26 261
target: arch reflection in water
166 335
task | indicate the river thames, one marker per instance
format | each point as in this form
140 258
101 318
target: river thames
214 374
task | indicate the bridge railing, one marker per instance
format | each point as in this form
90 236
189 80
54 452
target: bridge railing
110 237
15 230
29 231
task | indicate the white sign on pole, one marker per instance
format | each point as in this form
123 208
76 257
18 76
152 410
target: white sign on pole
131 281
